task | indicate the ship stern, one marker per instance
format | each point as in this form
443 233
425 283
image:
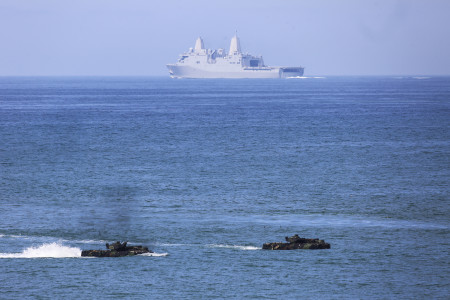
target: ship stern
286 72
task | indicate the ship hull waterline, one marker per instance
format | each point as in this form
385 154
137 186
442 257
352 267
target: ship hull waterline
177 71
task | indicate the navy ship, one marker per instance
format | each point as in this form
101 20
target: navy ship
199 62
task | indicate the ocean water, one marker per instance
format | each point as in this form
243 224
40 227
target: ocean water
204 172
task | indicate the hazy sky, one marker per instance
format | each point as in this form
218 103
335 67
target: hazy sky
138 37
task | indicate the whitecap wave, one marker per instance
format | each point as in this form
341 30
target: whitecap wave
170 245
421 77
154 254
88 241
51 250
238 247
15 236
347 221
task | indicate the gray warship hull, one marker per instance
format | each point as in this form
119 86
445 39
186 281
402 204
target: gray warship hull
177 71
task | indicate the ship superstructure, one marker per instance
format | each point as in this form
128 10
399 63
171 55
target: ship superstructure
200 62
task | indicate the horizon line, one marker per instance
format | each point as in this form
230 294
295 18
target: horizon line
168 76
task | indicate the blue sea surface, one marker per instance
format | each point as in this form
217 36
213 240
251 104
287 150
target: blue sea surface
204 172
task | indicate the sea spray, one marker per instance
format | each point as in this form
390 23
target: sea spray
50 250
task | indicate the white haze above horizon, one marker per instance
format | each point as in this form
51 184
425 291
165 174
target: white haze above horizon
138 37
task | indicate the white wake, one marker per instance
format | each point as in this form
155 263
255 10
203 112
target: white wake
238 247
154 254
54 250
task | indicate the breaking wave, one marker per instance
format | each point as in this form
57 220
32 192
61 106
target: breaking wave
52 250
154 254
